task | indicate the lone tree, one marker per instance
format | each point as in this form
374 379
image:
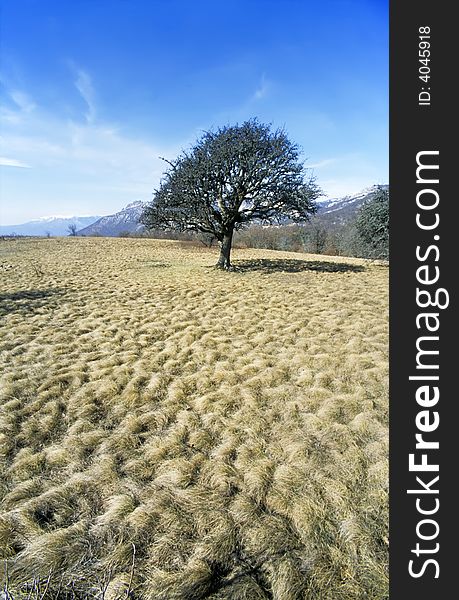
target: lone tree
231 177
72 229
373 224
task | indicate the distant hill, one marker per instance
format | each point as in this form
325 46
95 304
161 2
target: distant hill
332 212
55 226
126 220
338 211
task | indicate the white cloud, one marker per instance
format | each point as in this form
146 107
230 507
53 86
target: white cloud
21 108
84 85
77 167
262 90
12 162
321 163
22 100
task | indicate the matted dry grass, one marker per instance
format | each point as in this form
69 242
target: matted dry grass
173 432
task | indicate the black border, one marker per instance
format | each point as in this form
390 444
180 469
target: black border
414 128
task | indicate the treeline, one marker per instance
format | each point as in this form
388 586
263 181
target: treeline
314 237
365 235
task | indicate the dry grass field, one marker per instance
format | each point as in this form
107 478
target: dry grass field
173 432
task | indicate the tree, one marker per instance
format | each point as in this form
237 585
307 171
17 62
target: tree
372 224
72 229
231 177
318 239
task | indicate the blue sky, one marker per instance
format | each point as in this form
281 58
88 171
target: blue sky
92 92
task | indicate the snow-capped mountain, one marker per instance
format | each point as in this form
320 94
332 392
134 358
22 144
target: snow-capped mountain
124 221
52 225
342 209
333 211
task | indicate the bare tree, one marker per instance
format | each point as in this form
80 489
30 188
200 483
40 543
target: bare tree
231 177
318 239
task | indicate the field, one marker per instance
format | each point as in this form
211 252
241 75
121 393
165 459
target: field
173 432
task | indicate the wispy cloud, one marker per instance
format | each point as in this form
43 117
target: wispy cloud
321 163
12 162
22 100
262 89
16 105
84 85
90 165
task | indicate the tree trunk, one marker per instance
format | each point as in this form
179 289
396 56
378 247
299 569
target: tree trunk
225 251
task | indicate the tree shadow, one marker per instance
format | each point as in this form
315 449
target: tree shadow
294 265
28 301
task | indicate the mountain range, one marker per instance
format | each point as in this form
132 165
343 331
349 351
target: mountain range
333 211
337 211
47 226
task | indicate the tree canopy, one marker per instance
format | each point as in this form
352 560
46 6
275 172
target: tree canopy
231 177
373 224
